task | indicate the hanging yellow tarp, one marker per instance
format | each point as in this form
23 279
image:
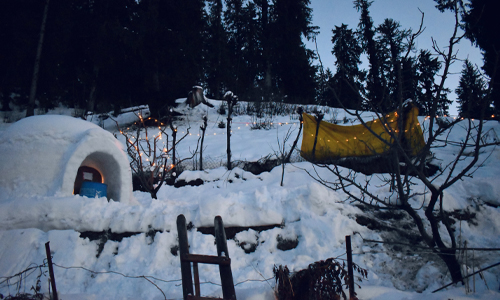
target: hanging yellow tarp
337 141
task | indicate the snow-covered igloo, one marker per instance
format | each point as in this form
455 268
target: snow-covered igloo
41 156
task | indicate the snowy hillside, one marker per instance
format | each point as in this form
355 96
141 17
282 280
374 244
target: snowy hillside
139 260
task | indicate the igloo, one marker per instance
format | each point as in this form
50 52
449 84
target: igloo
42 155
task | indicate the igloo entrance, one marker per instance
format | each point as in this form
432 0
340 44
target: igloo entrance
100 167
85 173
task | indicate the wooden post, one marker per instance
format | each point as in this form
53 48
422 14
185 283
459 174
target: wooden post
203 129
226 275
187 281
318 117
51 272
350 271
196 280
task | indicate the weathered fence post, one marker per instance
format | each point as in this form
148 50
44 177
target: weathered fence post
51 272
350 271
187 281
203 129
226 276
319 116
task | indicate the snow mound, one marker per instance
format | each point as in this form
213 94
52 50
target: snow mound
41 156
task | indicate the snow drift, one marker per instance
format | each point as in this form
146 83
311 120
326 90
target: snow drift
41 156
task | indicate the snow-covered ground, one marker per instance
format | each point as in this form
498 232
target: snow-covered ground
306 211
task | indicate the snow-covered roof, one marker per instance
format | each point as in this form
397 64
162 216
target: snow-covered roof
41 155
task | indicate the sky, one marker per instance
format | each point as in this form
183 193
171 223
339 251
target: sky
330 13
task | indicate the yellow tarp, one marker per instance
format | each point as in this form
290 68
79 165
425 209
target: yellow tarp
337 141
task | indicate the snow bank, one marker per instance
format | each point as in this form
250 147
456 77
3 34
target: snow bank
41 156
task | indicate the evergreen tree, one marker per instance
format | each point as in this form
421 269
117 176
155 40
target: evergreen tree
295 75
325 92
171 49
347 79
391 43
374 85
481 27
244 50
471 92
265 82
19 30
216 51
409 75
428 68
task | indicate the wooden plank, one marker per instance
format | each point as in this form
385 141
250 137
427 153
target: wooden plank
196 279
350 271
226 276
191 297
187 281
206 259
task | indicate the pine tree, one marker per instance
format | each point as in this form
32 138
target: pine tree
244 51
216 51
471 92
391 42
346 81
374 86
428 68
292 61
481 27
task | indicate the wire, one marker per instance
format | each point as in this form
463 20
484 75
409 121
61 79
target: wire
118 273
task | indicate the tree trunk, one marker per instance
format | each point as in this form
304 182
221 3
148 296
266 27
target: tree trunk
30 111
451 261
91 102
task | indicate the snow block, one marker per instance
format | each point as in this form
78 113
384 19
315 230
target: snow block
41 155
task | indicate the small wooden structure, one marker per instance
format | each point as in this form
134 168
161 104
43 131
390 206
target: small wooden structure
222 259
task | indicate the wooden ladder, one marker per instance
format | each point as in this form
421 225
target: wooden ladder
222 259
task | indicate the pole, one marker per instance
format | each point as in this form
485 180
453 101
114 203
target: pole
51 271
187 281
350 271
226 275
